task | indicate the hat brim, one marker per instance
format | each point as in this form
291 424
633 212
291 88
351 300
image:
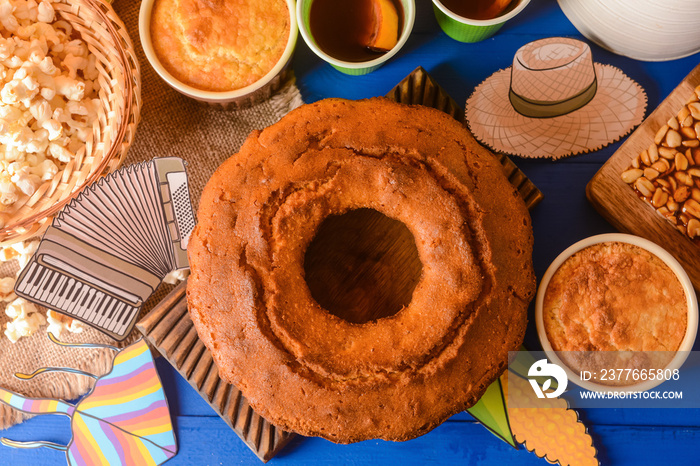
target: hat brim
617 107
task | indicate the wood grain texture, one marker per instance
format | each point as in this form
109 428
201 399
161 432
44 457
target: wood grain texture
207 440
164 328
618 203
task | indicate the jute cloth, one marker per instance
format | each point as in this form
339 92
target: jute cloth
171 125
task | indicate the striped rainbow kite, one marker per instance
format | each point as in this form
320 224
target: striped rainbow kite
124 420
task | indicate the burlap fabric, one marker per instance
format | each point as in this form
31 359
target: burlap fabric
171 125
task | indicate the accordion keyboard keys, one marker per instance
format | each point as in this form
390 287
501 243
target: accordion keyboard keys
108 250
77 299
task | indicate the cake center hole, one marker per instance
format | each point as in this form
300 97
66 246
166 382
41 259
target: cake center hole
362 266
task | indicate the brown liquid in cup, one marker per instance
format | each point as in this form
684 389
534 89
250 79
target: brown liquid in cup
477 9
341 28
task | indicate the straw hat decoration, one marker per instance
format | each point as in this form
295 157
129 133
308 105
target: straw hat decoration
554 102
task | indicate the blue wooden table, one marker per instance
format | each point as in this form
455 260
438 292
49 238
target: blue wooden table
622 437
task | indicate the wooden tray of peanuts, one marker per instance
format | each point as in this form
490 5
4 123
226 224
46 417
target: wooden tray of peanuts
650 187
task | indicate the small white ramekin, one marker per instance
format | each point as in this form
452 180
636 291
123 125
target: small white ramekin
239 98
692 323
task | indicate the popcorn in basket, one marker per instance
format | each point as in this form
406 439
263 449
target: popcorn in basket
69 105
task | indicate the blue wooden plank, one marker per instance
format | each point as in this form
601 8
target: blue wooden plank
49 428
185 401
208 440
182 398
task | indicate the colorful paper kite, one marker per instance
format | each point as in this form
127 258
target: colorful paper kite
124 420
552 430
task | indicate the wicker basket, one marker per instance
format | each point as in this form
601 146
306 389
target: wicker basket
113 131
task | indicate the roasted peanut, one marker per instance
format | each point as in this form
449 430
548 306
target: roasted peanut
688 132
667 173
644 186
692 207
695 194
661 166
673 124
650 174
684 178
660 198
681 194
694 110
694 228
667 152
660 134
653 153
630 176
681 162
673 138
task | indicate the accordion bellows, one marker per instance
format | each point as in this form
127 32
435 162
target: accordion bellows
312 372
108 250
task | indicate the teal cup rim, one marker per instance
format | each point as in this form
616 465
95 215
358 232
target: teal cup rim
482 22
351 66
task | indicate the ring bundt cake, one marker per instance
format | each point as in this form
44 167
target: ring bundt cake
309 371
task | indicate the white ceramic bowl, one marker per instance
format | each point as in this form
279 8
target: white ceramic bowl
649 30
239 98
692 324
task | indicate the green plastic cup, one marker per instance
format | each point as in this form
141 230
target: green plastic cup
347 67
473 30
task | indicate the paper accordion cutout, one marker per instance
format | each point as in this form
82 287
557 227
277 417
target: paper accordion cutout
108 250
123 420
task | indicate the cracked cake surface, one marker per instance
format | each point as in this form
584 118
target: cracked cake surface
395 378
615 296
219 45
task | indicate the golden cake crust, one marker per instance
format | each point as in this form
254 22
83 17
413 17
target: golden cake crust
219 45
398 377
615 296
